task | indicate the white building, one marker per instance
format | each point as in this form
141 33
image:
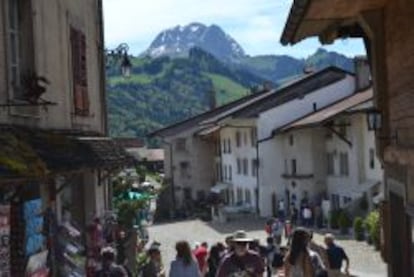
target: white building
193 156
290 103
263 115
239 161
342 150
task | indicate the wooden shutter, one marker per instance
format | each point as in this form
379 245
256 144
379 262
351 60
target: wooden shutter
385 230
79 69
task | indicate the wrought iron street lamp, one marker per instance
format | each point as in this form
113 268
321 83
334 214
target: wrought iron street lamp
120 53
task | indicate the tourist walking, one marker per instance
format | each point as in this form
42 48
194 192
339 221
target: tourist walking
184 264
213 260
109 268
300 261
277 231
201 254
307 216
336 256
241 262
153 267
273 256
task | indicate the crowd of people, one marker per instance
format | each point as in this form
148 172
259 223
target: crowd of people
239 256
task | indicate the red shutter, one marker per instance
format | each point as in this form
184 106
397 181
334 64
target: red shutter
79 68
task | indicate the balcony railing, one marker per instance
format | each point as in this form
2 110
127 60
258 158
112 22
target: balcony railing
297 176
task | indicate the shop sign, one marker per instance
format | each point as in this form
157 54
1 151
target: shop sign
4 240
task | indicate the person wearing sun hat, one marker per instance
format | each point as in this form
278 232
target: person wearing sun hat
241 262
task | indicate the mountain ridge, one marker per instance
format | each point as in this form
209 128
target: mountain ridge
196 78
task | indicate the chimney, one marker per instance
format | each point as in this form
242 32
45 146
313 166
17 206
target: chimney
308 69
362 73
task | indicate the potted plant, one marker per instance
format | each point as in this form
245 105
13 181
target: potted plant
373 227
359 230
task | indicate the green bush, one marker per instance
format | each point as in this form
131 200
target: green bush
344 222
372 224
334 219
359 230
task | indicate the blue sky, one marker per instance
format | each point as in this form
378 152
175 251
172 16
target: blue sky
255 24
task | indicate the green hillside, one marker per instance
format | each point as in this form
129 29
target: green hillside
226 89
163 91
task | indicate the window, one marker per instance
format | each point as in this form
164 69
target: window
180 144
248 196
225 172
254 167
225 150
331 164
229 145
245 167
343 164
245 138
342 127
239 166
346 200
79 72
293 167
232 196
253 136
239 195
238 139
218 171
230 173
184 170
291 140
371 158
20 46
335 201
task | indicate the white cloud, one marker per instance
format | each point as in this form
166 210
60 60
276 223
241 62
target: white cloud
255 24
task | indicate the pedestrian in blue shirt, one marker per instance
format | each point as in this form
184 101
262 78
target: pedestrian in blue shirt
336 256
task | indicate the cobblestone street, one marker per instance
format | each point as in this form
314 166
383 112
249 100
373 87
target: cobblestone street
365 262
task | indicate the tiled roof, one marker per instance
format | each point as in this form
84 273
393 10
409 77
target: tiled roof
295 89
252 105
194 121
318 117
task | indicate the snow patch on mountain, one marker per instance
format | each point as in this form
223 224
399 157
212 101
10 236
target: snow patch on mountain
178 41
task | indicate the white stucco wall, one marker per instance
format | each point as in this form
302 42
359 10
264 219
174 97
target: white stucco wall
286 113
360 173
247 150
272 151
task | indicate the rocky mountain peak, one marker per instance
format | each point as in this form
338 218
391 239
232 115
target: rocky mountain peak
179 40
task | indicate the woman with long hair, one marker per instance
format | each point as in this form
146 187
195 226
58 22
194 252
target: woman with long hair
300 261
213 260
184 264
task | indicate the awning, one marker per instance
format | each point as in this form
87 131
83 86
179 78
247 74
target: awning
219 187
35 153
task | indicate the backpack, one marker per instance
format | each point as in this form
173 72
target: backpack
277 260
318 266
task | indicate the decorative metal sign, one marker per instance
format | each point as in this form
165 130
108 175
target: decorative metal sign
4 240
